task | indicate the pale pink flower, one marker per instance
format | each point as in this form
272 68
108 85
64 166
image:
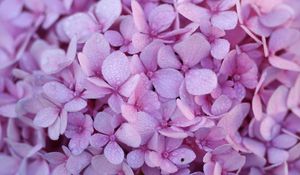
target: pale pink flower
79 130
168 155
109 137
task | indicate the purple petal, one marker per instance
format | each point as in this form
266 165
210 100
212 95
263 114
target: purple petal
114 153
200 81
167 82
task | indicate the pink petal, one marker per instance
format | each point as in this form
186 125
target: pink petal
269 128
232 120
192 49
63 121
200 81
182 156
46 117
284 141
8 110
166 58
58 92
9 164
254 146
277 16
185 110
127 27
220 48
54 130
193 12
173 132
95 50
101 164
107 12
129 112
128 135
103 123
150 101
283 38
226 20
75 164
128 88
114 38
277 155
167 82
10 9
78 145
115 68
135 158
145 125
284 64
277 102
115 102
114 153
98 140
79 25
149 55
168 166
60 170
140 40
139 17
221 105
53 61
256 27
294 92
161 17
39 167
75 105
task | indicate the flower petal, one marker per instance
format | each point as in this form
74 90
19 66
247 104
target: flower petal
234 118
103 123
193 12
135 158
226 20
166 58
107 12
114 153
139 17
167 82
79 25
101 164
182 156
192 49
200 81
277 16
276 156
283 38
57 92
75 105
128 135
220 48
46 117
75 164
114 38
95 50
148 55
221 105
115 68
161 17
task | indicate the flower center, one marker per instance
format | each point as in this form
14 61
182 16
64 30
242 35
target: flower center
165 154
236 77
184 68
150 74
112 137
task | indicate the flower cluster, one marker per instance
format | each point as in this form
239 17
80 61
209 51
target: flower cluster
149 87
